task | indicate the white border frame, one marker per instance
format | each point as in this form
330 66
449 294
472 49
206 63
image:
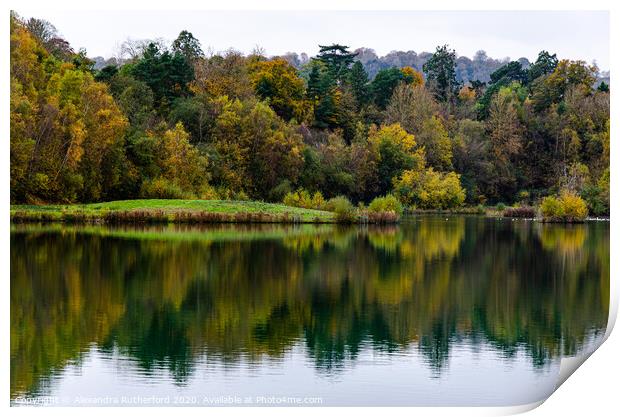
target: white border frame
594 387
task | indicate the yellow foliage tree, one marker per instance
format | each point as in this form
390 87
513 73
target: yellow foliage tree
428 189
412 77
277 82
64 126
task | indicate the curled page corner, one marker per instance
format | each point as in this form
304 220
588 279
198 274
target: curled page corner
524 408
569 365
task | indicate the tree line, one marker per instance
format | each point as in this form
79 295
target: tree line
172 122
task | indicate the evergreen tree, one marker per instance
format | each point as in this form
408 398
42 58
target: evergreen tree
545 64
358 78
188 46
166 74
441 74
512 71
337 59
383 85
313 90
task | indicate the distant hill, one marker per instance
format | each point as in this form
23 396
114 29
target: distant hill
478 68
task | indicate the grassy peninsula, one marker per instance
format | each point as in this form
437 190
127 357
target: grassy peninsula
170 211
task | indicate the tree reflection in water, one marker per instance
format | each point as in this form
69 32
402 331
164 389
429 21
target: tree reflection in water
166 296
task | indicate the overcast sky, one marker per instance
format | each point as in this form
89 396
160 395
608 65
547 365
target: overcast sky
574 35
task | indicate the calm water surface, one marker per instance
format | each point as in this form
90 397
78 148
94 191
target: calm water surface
435 311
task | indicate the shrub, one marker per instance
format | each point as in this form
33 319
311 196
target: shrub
342 207
524 212
386 204
428 189
551 207
480 209
301 198
500 207
161 188
207 192
241 196
290 199
568 207
574 207
318 201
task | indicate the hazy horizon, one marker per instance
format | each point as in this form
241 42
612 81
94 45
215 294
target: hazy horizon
580 35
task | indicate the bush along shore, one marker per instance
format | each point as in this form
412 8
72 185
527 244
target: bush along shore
567 207
297 207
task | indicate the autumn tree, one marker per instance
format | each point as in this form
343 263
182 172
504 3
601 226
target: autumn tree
48 37
551 88
254 149
433 136
505 136
428 189
411 76
223 75
183 171
65 126
472 158
411 106
395 151
277 82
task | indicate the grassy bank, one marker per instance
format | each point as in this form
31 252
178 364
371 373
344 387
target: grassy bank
170 211
224 211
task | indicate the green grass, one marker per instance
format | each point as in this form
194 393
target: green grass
168 210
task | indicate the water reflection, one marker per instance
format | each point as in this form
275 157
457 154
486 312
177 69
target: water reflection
183 298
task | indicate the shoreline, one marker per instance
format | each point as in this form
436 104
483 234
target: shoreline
186 212
168 211
221 212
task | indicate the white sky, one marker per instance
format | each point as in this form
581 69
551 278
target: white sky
574 35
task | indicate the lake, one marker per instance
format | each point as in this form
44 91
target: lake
435 311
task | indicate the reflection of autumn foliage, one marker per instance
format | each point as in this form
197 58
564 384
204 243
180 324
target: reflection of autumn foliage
566 240
167 296
57 311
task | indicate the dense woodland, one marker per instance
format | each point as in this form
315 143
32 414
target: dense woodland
172 122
